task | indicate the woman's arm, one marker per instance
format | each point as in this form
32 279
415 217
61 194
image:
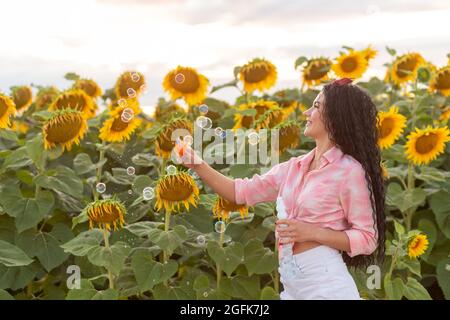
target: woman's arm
297 231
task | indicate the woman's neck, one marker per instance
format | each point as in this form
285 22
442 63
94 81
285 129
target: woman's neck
322 146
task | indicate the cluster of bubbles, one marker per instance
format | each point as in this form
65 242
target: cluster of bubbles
220 132
127 115
203 122
148 193
171 170
253 138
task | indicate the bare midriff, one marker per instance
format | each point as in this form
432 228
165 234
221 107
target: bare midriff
304 246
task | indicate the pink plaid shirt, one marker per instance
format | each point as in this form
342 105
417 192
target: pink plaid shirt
334 196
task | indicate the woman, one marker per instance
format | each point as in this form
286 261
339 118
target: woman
334 195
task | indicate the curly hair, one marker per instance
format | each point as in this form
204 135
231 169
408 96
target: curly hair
350 118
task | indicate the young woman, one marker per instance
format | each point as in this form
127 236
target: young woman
334 195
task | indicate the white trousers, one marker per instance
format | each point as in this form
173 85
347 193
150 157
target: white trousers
323 275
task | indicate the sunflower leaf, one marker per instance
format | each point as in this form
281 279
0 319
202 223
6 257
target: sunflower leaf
12 256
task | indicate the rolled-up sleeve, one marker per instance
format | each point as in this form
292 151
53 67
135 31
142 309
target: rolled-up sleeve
355 201
261 188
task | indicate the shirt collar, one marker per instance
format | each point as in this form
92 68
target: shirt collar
330 155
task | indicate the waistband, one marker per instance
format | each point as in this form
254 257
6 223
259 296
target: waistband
317 255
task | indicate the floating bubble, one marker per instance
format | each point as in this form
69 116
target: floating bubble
171 169
201 240
179 78
205 294
253 138
203 109
188 139
148 193
100 187
131 171
127 115
218 131
135 76
203 122
131 93
122 102
223 134
130 191
219 226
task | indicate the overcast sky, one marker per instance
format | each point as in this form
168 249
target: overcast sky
42 40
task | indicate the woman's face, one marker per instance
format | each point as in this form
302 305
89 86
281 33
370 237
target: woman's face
315 127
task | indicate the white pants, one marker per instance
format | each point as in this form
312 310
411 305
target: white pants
323 275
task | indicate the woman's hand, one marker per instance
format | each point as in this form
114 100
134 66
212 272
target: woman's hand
187 156
295 231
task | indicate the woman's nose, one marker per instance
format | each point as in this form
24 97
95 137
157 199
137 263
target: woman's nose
307 112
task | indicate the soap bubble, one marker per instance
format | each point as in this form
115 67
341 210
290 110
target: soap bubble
201 240
253 138
218 131
131 93
122 102
135 76
130 191
127 115
203 122
203 109
100 187
148 193
219 226
171 169
131 171
188 139
179 78
205 294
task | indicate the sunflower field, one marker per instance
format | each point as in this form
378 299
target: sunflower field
93 207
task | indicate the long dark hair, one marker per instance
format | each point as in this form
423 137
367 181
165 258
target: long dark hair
350 117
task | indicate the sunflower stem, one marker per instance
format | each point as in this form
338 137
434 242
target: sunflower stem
218 267
99 168
110 275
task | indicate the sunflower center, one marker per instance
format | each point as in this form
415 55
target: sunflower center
349 64
443 81
104 215
118 125
255 74
190 84
317 71
404 68
176 189
22 97
88 87
386 127
426 143
64 129
3 108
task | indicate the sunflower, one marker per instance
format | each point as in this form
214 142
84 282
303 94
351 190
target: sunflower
390 127
7 109
286 100
186 83
417 245
64 128
261 106
75 99
441 81
316 71
90 87
350 65
222 209
130 84
405 68
19 126
165 111
369 53
116 129
23 97
164 143
384 170
258 74
288 135
174 190
445 115
105 213
270 118
45 97
424 145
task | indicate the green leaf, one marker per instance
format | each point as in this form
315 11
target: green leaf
71 76
415 291
47 246
229 257
83 164
62 179
391 51
9 135
404 199
399 228
148 272
443 276
16 278
162 292
83 243
34 149
145 160
17 159
412 265
168 240
88 292
112 258
12 256
440 204
143 228
25 176
141 182
28 212
299 61
431 174
4 295
268 293
247 288
119 176
395 288
232 83
259 259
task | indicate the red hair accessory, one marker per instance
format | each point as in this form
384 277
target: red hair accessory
342 82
